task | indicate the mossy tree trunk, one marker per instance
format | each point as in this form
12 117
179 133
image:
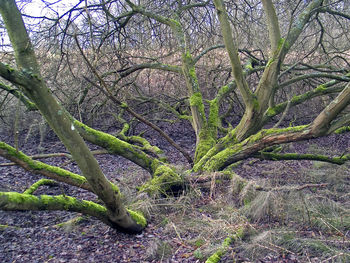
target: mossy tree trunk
247 137
34 87
204 128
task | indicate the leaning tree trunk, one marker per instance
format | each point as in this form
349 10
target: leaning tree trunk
29 78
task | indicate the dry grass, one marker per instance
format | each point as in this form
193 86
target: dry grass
306 223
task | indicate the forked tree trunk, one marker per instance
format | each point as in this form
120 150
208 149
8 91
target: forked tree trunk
35 89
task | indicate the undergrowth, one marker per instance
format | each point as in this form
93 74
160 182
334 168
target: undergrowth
308 218
302 215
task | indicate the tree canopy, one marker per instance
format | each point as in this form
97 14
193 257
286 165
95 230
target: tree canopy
244 77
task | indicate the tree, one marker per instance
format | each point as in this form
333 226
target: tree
190 29
28 77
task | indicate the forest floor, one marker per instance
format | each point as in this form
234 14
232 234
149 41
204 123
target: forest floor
300 224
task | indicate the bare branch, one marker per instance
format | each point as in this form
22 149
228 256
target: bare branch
272 24
233 54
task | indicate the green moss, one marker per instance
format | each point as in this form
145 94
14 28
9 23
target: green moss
193 75
256 103
18 198
187 59
175 22
273 131
206 142
222 158
115 145
215 257
223 90
271 60
217 161
342 130
188 55
67 201
3 227
146 145
155 164
197 101
249 66
164 178
124 105
96 207
275 110
281 43
321 88
189 68
37 184
125 129
213 120
138 218
17 201
46 199
9 68
225 245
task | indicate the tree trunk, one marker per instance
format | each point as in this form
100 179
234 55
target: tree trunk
35 88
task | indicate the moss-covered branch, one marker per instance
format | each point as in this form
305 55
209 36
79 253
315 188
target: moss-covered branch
19 95
37 184
322 123
115 146
227 151
300 22
163 175
289 82
342 130
323 89
215 258
15 201
340 125
51 155
298 156
38 167
127 71
164 180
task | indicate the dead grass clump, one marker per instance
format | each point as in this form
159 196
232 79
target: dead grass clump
158 250
265 206
201 220
328 215
144 204
306 246
309 215
248 193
